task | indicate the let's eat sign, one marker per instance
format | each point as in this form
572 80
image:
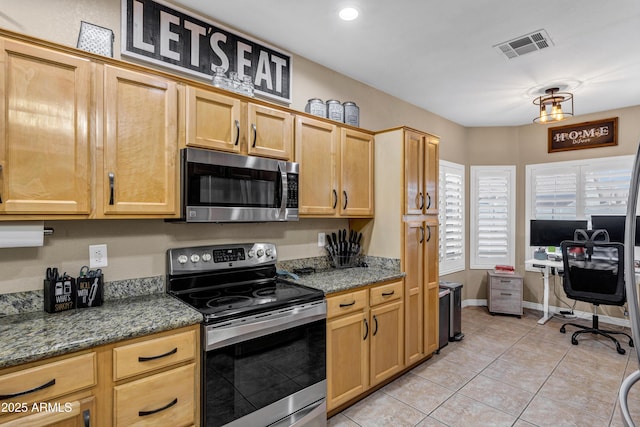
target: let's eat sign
156 32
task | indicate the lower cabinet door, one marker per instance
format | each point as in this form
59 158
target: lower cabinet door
78 413
386 341
347 358
165 399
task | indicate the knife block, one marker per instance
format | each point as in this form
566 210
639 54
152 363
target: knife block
345 261
90 290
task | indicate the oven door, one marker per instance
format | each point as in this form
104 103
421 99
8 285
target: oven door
269 370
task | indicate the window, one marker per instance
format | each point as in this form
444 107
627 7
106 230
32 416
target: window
451 217
492 216
576 190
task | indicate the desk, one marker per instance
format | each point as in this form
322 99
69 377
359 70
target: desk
548 265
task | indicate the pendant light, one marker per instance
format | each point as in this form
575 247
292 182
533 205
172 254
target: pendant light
554 99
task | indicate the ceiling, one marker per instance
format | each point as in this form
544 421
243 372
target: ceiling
440 55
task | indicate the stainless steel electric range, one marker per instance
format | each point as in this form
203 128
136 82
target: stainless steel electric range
263 338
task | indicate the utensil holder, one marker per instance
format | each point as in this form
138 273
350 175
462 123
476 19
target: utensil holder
90 291
59 295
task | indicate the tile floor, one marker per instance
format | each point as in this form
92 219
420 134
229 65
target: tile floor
506 372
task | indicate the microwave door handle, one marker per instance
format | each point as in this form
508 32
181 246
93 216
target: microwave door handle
284 185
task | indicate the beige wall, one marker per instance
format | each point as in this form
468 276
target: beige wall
136 248
525 145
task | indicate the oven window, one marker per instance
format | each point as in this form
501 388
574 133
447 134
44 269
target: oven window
215 185
247 376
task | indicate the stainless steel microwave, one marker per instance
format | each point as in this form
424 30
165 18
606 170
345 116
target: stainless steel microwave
225 187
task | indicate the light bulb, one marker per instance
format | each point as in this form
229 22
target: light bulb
543 114
348 14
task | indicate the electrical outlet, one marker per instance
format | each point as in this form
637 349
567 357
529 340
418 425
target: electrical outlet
97 256
321 237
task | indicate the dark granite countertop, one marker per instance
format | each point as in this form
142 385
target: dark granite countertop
38 335
337 280
332 280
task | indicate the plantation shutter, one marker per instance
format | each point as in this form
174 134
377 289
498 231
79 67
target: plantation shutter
493 216
606 189
555 193
451 217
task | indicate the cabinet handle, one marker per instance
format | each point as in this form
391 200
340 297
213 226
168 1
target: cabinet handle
375 319
0 194
421 201
421 235
160 356
255 134
335 198
505 294
22 393
155 411
366 330
112 178
346 199
428 201
386 294
86 418
429 237
348 305
505 281
237 132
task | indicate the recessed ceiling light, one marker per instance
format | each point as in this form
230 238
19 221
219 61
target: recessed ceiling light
348 14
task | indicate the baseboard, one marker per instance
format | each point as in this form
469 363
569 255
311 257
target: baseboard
552 309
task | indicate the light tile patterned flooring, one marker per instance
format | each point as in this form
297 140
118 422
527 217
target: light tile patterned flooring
507 372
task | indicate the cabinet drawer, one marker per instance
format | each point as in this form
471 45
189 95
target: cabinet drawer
506 301
347 303
50 380
165 399
134 359
385 293
509 283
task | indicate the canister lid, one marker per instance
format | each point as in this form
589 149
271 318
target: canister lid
333 101
349 103
314 100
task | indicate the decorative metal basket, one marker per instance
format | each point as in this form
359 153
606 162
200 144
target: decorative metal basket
95 39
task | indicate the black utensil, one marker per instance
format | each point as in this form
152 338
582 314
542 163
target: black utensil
329 245
358 247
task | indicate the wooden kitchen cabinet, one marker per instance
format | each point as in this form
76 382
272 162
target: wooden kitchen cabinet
407 222
138 174
50 393
421 173
224 122
44 144
152 380
336 170
364 340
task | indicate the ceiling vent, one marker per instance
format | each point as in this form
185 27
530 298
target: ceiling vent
522 45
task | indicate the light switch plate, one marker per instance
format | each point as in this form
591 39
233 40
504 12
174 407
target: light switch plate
98 256
321 237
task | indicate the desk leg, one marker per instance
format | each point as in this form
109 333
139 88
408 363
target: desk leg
545 318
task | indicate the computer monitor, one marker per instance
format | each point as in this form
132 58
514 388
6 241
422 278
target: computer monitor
551 232
615 225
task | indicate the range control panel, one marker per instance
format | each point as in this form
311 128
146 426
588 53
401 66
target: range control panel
220 257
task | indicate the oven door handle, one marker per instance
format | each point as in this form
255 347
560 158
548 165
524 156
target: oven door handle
316 412
225 334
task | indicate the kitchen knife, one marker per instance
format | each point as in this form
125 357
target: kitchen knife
344 245
329 245
335 245
358 247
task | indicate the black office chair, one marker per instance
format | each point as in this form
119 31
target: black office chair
594 273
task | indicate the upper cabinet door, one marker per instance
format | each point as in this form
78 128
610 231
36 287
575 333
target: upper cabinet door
316 151
269 132
356 174
414 172
140 144
212 120
431 173
44 122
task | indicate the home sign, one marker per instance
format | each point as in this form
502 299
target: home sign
156 32
600 133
